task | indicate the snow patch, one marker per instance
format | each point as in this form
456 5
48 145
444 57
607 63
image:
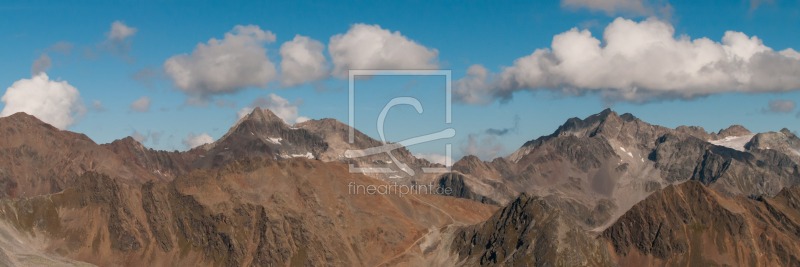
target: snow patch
276 141
306 155
734 142
626 151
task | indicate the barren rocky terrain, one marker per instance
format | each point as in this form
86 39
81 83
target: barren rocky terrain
607 190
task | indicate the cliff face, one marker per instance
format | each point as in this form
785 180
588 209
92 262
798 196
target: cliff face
689 224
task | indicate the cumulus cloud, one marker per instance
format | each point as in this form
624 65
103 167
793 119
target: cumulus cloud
485 147
302 61
237 61
118 37
372 47
41 64
639 62
141 105
192 140
55 102
613 7
475 87
119 31
280 106
780 106
434 158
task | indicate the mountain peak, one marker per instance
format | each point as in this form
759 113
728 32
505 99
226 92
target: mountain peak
734 130
26 119
263 115
128 141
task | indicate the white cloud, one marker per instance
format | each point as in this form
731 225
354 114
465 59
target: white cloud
119 31
118 37
151 137
613 7
278 105
485 147
141 105
224 66
41 64
643 61
139 137
192 140
302 61
371 47
474 88
55 102
434 158
781 106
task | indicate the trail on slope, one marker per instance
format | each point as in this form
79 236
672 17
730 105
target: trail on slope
453 222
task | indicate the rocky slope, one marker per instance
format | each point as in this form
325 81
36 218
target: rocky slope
211 206
37 159
261 134
598 167
164 164
606 190
691 225
336 135
528 232
252 212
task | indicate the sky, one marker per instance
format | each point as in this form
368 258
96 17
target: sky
176 74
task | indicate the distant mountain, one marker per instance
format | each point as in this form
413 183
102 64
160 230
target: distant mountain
598 167
261 134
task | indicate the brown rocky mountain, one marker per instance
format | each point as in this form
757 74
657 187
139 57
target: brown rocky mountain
252 212
596 168
606 190
261 134
336 135
164 164
529 231
691 225
124 204
37 159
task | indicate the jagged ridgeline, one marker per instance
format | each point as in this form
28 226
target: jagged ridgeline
606 190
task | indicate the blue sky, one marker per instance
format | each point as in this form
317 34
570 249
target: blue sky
116 72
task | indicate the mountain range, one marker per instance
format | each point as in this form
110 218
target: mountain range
606 190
